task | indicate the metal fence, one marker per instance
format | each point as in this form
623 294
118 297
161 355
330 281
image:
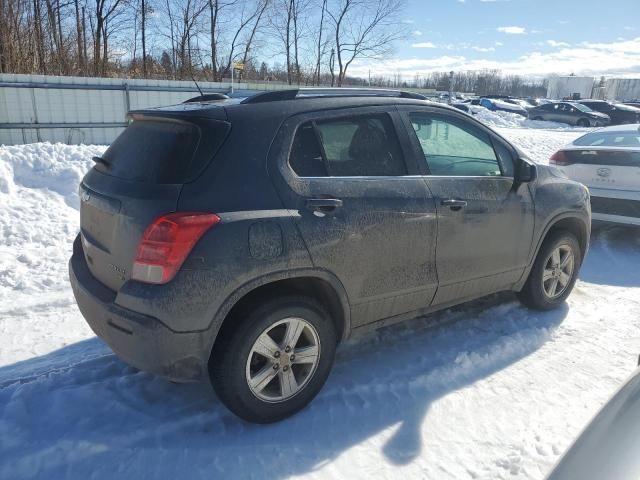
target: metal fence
75 110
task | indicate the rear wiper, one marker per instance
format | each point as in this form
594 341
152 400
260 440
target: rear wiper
101 160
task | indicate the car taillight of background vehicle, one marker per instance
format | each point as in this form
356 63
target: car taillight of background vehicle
166 243
559 159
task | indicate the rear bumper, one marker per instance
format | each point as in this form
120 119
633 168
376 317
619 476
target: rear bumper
140 340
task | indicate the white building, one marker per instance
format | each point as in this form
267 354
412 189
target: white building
570 87
622 89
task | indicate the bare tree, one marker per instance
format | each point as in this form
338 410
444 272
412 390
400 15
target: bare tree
364 29
287 20
261 9
104 10
143 6
320 44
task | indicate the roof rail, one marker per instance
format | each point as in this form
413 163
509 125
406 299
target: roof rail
293 94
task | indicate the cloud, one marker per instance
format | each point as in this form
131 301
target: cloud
483 49
417 33
423 45
553 43
512 30
499 44
621 58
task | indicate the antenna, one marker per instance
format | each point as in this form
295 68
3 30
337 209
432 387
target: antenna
197 86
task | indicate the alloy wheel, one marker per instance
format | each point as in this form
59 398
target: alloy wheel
282 360
558 271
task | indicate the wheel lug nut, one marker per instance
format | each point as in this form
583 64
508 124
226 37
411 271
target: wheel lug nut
288 349
285 368
276 366
292 358
277 354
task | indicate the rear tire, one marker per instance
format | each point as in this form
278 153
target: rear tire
274 359
583 122
554 272
539 119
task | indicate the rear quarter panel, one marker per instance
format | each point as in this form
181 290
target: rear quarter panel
256 237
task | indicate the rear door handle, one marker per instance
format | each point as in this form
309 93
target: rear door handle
324 204
453 203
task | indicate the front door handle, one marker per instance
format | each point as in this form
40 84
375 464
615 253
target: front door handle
453 203
324 205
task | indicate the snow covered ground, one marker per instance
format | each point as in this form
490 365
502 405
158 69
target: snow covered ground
488 390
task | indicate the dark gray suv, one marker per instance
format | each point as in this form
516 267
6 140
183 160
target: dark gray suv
241 241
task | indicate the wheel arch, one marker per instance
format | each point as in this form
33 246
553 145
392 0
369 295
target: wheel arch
570 221
317 284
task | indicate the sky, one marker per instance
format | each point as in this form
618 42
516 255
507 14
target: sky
532 38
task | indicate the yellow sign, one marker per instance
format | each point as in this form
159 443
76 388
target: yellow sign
238 66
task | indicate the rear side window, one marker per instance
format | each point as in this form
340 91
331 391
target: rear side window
161 152
610 139
365 145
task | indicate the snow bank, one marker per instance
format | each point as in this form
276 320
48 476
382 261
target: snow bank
513 120
38 216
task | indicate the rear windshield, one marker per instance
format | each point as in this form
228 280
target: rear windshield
161 151
610 139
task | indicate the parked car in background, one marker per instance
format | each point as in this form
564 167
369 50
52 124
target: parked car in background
618 112
536 102
238 242
520 102
465 107
571 113
607 161
496 105
635 104
608 448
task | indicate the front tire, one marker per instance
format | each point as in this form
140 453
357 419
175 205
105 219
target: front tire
554 272
271 362
583 122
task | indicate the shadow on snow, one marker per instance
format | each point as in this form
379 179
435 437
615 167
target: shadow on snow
79 411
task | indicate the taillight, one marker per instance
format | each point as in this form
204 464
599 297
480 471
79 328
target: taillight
559 158
166 243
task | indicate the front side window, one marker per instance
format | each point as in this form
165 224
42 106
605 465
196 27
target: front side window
358 146
454 148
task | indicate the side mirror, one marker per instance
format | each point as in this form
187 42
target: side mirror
525 172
